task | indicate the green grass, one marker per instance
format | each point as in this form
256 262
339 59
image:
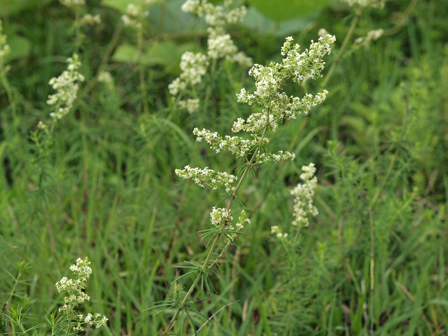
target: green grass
109 190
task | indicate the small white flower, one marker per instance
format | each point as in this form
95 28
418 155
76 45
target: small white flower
366 41
365 3
303 202
208 177
72 3
66 86
89 19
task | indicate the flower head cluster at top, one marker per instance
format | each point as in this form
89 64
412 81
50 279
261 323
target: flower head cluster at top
303 201
74 290
366 41
366 3
276 106
219 46
275 230
89 19
135 14
4 48
66 86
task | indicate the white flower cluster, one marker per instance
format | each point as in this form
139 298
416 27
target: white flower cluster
322 32
242 221
98 320
66 86
192 105
276 106
366 3
4 47
75 295
221 216
275 230
105 77
215 15
193 67
303 202
232 232
281 156
208 177
135 14
89 19
236 145
366 41
72 3
220 44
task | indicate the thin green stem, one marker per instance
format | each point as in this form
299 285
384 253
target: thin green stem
8 89
16 281
341 51
141 70
215 239
209 87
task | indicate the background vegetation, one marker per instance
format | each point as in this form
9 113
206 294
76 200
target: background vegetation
108 190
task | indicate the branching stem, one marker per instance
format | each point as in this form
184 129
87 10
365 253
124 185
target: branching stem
216 238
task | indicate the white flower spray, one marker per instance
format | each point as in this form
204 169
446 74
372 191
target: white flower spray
4 47
365 3
366 41
66 86
276 107
75 296
303 202
219 46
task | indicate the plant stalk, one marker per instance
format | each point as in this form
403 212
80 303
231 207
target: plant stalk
215 240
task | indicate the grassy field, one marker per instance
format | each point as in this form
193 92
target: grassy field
103 185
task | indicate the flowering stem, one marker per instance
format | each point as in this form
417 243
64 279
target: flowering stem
324 83
280 167
8 91
215 240
344 45
208 92
140 70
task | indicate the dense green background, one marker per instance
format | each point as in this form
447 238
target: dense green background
109 191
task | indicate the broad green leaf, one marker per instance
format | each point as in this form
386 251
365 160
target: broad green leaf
174 20
288 9
119 5
166 53
263 25
127 53
20 47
